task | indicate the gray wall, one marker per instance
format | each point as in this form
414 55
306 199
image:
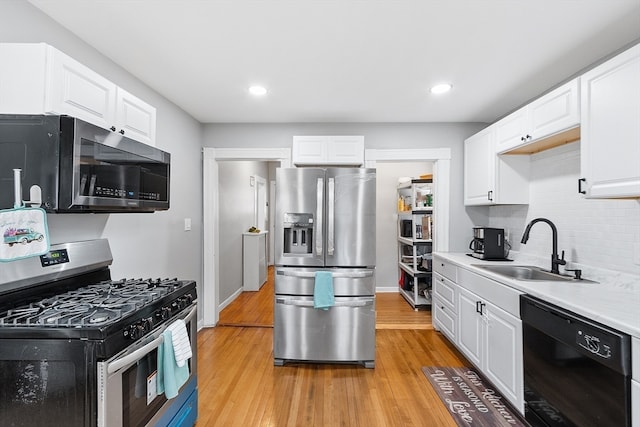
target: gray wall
376 136
236 215
143 245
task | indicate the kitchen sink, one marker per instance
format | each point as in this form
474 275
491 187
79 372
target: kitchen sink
525 272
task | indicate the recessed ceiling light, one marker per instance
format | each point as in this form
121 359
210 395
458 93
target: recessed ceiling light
441 88
257 90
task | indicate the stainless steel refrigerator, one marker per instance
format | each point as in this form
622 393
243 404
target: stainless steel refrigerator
325 221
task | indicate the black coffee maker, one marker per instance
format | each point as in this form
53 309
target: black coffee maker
488 243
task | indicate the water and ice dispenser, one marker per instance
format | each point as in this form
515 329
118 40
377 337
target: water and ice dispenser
298 233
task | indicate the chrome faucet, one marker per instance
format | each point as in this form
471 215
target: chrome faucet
555 259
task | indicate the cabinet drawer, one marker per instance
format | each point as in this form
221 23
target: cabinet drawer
445 268
497 293
445 289
444 318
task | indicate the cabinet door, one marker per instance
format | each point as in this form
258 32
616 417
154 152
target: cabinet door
502 348
135 118
469 326
309 150
479 168
22 78
345 150
512 130
78 91
610 146
444 318
556 111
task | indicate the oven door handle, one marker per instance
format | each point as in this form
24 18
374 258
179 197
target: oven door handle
145 349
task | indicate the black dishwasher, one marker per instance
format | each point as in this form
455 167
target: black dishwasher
576 372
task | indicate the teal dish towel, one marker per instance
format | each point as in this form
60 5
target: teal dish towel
323 290
170 376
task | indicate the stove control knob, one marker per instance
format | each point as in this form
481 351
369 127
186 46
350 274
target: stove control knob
166 313
134 332
146 325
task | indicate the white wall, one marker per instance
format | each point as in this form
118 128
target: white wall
593 233
376 136
143 245
236 197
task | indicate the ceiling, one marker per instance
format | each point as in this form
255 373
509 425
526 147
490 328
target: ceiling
350 60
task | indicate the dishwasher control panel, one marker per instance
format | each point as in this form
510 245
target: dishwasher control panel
593 344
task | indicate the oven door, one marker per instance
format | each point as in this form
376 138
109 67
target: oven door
127 382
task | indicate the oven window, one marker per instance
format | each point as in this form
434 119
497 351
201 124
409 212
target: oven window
43 382
139 399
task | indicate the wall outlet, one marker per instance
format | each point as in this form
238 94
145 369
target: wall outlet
187 224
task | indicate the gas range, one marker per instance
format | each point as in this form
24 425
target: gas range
76 343
96 304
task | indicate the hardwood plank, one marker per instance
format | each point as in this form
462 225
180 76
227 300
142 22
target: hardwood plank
239 385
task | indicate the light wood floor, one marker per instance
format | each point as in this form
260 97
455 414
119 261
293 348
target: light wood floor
239 385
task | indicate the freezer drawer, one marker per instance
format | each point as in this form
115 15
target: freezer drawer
343 333
346 281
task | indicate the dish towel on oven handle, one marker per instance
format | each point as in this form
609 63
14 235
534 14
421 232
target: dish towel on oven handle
170 376
181 344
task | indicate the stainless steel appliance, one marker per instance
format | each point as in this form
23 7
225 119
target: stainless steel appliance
488 243
81 349
80 167
576 372
325 221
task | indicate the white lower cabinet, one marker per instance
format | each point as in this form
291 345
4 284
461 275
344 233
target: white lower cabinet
481 318
444 306
491 339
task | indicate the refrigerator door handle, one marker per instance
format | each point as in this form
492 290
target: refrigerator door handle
363 302
330 215
319 221
312 274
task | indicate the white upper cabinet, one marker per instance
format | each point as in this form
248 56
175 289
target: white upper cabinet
328 150
76 90
550 115
491 179
610 142
39 79
135 118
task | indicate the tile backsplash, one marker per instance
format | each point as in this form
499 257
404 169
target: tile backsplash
594 233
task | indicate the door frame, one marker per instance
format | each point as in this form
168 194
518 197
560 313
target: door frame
441 158
211 157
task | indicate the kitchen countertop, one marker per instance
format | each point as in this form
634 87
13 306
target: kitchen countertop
613 301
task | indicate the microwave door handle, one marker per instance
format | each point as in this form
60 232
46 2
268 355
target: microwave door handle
330 216
318 223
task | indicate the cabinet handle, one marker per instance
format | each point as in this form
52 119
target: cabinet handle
122 131
113 128
580 181
528 136
490 195
479 307
522 138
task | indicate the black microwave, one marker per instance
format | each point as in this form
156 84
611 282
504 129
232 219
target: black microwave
81 167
